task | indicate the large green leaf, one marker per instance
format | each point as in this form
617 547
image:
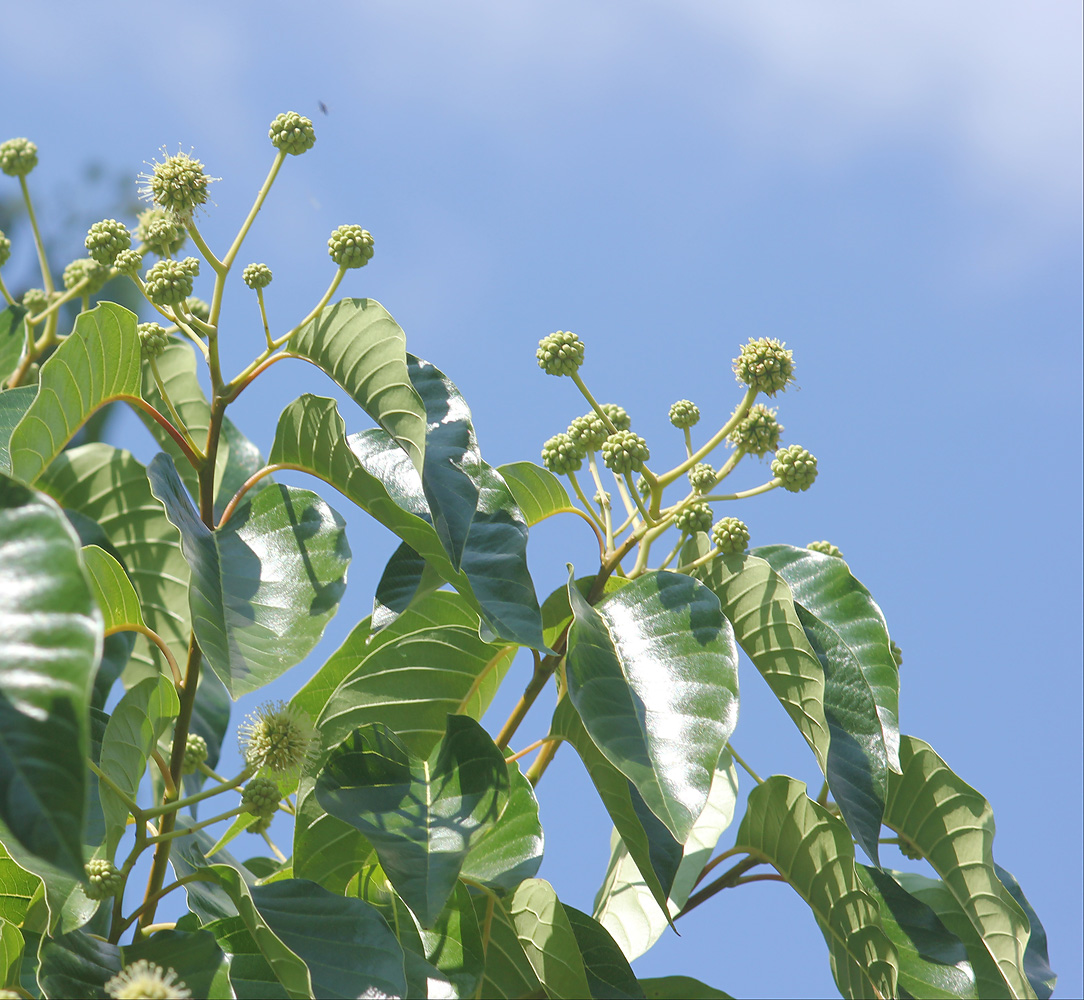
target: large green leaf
759 605
11 953
362 348
539 493
13 406
17 888
608 971
406 580
951 825
12 341
1036 960
110 487
251 975
98 363
813 851
508 973
50 642
546 937
454 944
653 672
113 591
422 816
265 585
680 988
211 720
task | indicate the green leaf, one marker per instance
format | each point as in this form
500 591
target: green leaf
653 672
406 580
813 851
362 348
50 642
951 825
110 487
17 888
11 953
508 973
557 612
251 975
265 584
12 342
77 965
98 363
546 937
13 406
112 589
194 955
245 459
759 605
422 816
539 493
608 971
680 988
144 713
454 944
1036 960
211 720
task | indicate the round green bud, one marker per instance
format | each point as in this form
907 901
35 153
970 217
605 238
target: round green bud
758 432
169 282
18 157
103 879
643 487
602 498
702 477
588 431
159 233
825 548
765 365
350 246
197 307
618 416
106 239
909 850
560 353
684 414
696 517
85 268
195 752
128 263
897 654
625 452
178 184
5 249
35 300
261 797
152 341
561 455
730 535
292 133
257 276
795 467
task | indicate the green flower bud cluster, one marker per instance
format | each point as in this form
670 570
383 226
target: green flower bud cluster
178 184
602 498
198 307
702 477
684 414
5 249
159 233
759 431
276 736
730 535
350 246
795 467
618 416
143 979
588 431
825 548
128 263
561 455
169 282
897 654
560 353
765 365
152 342
106 239
195 750
257 276
696 517
292 133
625 452
95 275
103 879
35 300
643 487
18 157
261 797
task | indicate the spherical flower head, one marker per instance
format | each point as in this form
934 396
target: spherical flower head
561 455
730 535
795 467
765 365
169 282
178 184
106 239
684 414
257 276
35 300
96 275
18 157
153 340
292 133
103 879
128 263
560 353
618 416
588 431
625 452
143 980
159 233
5 249
897 654
277 736
195 750
350 246
696 517
702 477
758 432
825 548
261 797
197 306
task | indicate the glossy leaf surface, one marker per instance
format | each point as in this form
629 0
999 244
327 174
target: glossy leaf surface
13 406
113 591
539 493
508 973
406 580
12 340
546 937
608 971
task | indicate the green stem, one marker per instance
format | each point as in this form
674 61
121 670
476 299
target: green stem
688 567
197 238
589 507
725 881
541 762
104 778
673 552
150 902
688 442
487 926
543 670
263 316
753 774
46 276
745 494
609 424
191 800
163 838
716 439
315 311
177 421
6 293
235 248
635 494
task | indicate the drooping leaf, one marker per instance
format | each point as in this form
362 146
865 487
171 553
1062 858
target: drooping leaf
11 953
547 939
422 816
12 343
265 584
813 851
50 643
454 944
539 493
680 988
1036 960
13 406
406 580
98 363
608 971
557 612
251 975
652 672
112 589
508 973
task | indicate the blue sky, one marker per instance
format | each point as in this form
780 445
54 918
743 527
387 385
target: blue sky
892 189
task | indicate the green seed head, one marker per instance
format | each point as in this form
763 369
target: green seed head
18 157
95 275
143 980
103 879
169 282
128 263
897 654
261 797
825 548
684 414
758 433
588 431
702 477
696 517
5 249
197 306
292 133
618 416
159 233
765 365
730 535
152 342
796 467
560 353
625 452
178 184
106 239
350 246
257 276
277 736
562 455
35 300
195 748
